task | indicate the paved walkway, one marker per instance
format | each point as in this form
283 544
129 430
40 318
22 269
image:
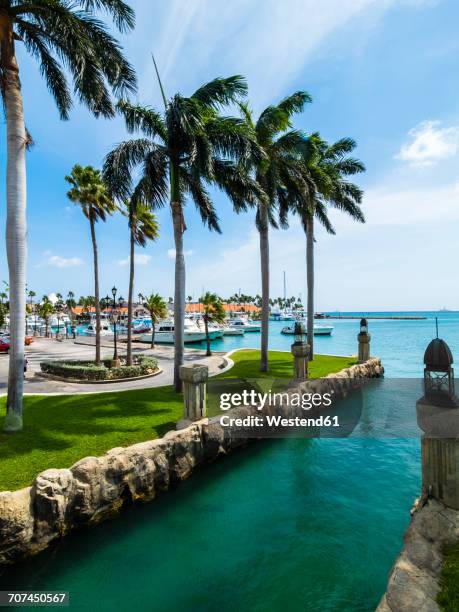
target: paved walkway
83 348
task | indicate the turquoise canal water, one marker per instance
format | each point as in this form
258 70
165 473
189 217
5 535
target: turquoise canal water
283 525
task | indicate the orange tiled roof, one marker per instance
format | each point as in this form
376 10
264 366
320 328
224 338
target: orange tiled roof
227 307
79 310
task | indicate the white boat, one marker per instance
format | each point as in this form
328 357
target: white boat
245 324
287 315
164 333
233 331
105 329
214 330
319 330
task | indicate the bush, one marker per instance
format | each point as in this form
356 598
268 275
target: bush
148 364
82 370
88 370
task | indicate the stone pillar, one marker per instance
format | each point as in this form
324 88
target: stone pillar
300 352
440 449
194 378
364 346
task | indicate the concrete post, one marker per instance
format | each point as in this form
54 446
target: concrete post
440 449
364 346
194 378
300 352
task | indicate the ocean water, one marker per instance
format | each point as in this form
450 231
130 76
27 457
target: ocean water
282 525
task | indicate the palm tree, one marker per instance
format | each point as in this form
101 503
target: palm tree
275 172
90 192
213 313
157 310
45 310
52 31
324 168
180 153
143 226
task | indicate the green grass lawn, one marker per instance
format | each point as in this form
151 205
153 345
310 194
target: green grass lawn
247 364
60 430
448 598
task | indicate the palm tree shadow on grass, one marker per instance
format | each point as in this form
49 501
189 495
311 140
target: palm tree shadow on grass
62 425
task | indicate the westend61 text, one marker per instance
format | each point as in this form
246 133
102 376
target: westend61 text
260 400
278 421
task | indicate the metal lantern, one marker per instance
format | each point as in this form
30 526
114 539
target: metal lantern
363 326
438 371
300 333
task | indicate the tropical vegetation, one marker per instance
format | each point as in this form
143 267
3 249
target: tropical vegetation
213 312
90 192
68 41
324 170
277 174
157 309
179 153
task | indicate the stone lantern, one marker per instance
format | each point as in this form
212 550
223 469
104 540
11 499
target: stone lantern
300 351
364 341
438 417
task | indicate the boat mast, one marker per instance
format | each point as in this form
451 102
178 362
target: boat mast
285 289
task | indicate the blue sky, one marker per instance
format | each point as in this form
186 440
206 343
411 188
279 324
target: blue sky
381 71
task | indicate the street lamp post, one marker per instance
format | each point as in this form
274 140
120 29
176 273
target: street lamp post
115 315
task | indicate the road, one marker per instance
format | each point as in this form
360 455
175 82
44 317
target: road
46 348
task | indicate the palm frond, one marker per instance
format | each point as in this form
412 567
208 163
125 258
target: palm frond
221 91
142 119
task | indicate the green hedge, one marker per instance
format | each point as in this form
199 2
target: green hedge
87 370
77 369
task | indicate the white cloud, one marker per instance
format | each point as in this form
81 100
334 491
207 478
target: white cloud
56 261
171 253
428 143
260 39
140 259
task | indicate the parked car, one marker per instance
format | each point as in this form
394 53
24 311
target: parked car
5 343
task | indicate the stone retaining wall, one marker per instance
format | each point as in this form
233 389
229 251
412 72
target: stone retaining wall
60 500
414 579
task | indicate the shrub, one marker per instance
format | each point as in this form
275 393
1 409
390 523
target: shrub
88 370
82 370
148 364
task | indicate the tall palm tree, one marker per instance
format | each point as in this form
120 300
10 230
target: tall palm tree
180 153
90 192
45 310
157 309
213 313
59 34
275 172
325 169
143 226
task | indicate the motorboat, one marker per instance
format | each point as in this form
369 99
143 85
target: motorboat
105 329
246 324
286 315
213 329
233 331
164 333
319 330
142 326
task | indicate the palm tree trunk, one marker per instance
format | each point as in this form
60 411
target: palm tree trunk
310 283
264 258
130 297
179 293
206 328
152 333
96 287
16 225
